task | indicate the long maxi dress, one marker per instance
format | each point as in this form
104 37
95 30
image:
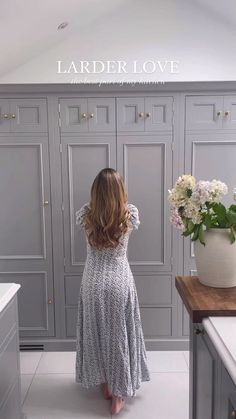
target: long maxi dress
110 344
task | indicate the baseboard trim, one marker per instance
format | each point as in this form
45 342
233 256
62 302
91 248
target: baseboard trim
58 345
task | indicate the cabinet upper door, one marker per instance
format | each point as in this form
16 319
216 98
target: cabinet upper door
229 114
73 113
101 114
146 164
4 115
158 113
204 112
28 115
130 114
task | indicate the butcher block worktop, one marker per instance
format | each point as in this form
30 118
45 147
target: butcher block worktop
202 301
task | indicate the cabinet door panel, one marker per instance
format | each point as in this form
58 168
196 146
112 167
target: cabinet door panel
147 184
158 113
201 112
101 114
82 159
206 379
73 114
4 115
30 115
130 114
229 115
25 223
228 396
207 157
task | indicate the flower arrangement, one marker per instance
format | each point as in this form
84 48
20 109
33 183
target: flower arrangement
196 207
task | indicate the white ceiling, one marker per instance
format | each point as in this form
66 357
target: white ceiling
29 27
29 35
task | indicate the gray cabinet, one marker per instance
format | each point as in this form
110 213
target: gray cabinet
228 396
210 112
139 114
23 115
212 391
25 215
10 388
87 115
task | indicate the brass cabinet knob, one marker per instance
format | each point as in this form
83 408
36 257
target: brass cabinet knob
84 115
5 116
226 113
50 301
198 331
46 203
13 116
148 114
218 113
141 114
233 414
91 115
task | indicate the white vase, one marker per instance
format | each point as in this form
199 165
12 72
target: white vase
216 261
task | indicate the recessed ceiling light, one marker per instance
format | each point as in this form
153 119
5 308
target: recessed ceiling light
62 25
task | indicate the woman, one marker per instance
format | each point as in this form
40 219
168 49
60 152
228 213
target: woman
110 348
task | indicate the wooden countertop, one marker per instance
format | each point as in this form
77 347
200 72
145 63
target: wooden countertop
203 301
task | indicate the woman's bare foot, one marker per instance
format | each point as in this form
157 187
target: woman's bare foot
117 404
106 393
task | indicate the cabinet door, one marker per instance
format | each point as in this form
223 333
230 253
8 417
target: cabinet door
146 164
25 225
207 157
228 396
74 115
205 402
4 115
101 114
158 113
130 114
82 159
229 114
204 112
28 115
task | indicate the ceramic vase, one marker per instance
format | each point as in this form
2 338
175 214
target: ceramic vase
216 261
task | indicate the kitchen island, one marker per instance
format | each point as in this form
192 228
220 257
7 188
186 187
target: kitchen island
212 350
10 388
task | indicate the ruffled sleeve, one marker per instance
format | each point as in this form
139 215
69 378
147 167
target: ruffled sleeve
80 214
134 216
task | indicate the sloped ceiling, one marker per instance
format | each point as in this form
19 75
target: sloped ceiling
199 33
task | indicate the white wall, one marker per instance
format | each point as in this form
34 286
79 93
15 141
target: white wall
141 30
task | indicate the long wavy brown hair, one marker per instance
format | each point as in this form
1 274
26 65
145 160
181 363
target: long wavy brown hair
107 219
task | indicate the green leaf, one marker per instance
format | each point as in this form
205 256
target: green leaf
207 220
191 226
232 207
196 232
220 211
202 235
231 216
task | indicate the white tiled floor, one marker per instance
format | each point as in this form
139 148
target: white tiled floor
49 390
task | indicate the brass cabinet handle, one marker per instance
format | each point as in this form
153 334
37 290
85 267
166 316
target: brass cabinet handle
218 113
226 113
91 115
5 116
148 114
84 115
141 114
46 203
13 116
50 301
